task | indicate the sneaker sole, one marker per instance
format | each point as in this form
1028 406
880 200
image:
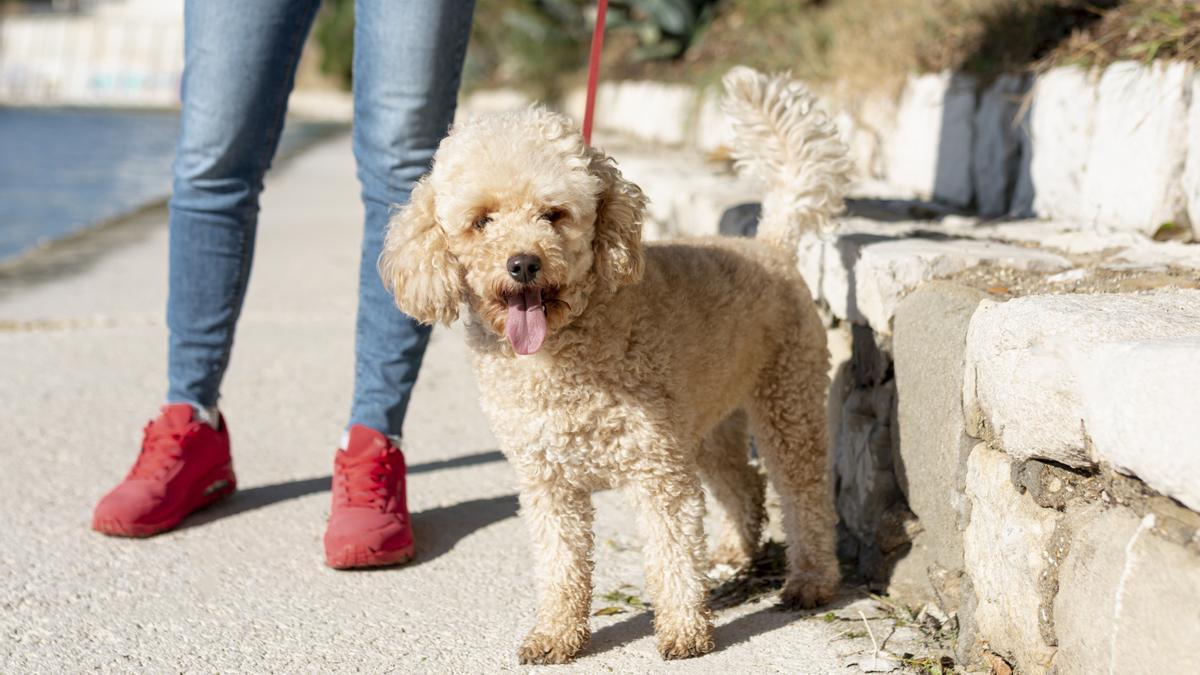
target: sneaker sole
358 557
219 486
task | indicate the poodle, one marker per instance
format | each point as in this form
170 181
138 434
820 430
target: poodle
607 362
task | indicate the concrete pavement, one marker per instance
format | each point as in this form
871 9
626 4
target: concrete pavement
241 587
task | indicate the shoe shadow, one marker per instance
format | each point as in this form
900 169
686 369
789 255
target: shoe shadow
437 531
253 498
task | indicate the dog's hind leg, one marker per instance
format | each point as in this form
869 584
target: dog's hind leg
724 462
787 416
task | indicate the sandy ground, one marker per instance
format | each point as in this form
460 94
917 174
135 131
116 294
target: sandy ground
241 587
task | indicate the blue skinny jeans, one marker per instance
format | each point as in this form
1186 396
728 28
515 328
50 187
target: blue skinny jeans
240 64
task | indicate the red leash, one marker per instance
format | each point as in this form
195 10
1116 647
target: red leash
594 70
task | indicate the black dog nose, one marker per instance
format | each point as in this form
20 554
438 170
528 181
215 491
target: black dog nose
524 267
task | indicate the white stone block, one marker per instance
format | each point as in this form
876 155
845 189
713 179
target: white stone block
997 145
866 268
713 129
1021 382
1076 243
886 271
1136 159
827 261
930 149
649 111
1033 232
1154 254
499 100
1061 119
1139 408
1126 599
1023 194
823 264
574 101
687 195
1005 553
1191 174
875 121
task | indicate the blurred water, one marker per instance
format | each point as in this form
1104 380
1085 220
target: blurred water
65 170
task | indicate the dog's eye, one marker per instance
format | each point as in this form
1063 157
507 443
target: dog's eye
481 222
552 216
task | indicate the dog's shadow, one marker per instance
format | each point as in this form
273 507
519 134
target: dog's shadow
768 619
436 530
762 580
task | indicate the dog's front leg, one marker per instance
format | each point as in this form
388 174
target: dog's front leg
671 515
559 519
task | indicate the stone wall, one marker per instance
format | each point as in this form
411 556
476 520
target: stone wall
1010 393
1073 559
1012 390
1110 150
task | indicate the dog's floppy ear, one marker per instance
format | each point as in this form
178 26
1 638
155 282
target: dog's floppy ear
620 210
416 264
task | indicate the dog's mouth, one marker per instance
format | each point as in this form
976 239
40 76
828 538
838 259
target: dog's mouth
526 324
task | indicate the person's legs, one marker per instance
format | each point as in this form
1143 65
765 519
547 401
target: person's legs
240 57
408 60
240 62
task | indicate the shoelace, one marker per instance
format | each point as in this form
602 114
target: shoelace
161 449
365 479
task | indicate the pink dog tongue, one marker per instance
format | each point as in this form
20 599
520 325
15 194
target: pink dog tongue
526 327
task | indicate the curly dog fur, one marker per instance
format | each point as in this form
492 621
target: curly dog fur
653 363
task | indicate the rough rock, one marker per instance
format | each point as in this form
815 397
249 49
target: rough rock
740 220
1136 160
1146 253
1020 385
1095 242
865 269
1138 408
930 150
840 376
1126 599
1061 119
866 482
1006 550
886 271
928 345
997 144
873 518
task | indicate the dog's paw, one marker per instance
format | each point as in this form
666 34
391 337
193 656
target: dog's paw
684 642
807 592
542 648
733 554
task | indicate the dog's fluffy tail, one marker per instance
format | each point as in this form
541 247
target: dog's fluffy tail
783 139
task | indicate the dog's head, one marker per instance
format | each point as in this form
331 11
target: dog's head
520 220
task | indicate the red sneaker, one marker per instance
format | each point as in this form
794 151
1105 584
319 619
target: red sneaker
369 524
184 466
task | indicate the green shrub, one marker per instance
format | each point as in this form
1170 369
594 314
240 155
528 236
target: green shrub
334 32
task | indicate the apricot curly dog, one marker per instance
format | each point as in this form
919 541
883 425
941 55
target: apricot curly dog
606 362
